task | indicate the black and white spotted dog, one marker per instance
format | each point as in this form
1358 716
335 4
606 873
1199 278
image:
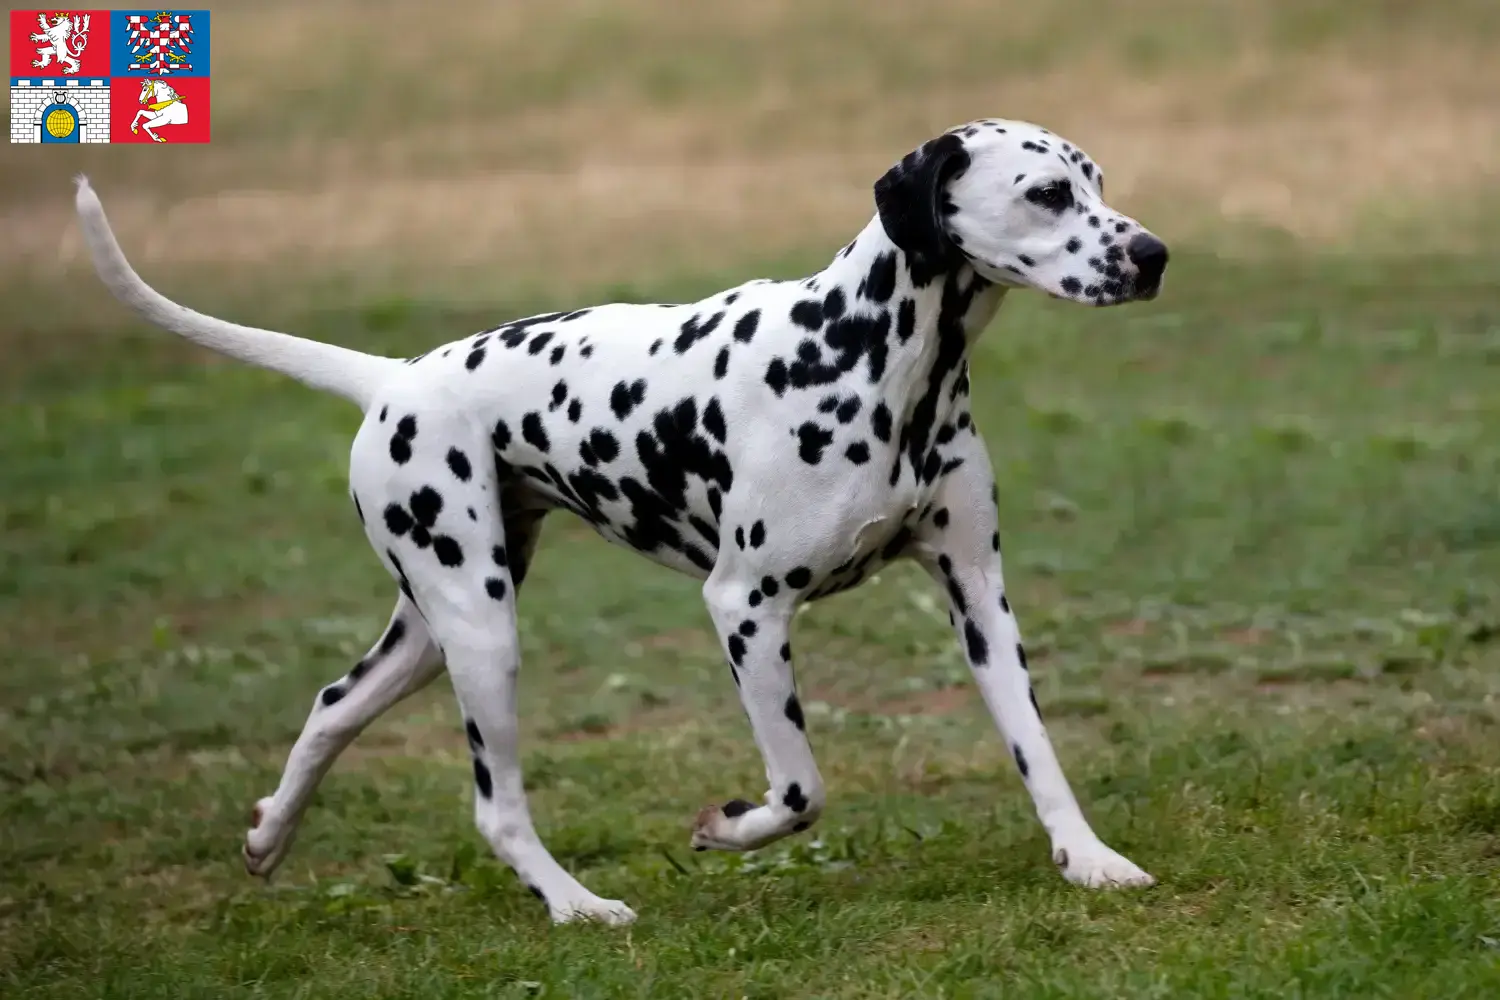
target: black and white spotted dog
781 441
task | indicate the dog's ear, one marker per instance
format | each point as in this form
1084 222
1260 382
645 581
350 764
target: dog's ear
912 200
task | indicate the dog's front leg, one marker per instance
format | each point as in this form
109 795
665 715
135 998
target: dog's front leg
959 544
752 613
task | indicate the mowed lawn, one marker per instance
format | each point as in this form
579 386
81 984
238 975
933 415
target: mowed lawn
1252 532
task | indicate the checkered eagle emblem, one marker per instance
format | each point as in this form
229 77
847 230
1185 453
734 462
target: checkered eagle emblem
160 44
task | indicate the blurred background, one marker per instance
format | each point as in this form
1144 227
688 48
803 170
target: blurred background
475 148
1250 526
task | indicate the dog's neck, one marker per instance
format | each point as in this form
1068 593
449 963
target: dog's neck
852 270
949 310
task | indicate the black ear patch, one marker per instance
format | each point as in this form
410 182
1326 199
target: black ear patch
912 202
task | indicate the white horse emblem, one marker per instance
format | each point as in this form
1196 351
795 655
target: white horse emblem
163 107
66 39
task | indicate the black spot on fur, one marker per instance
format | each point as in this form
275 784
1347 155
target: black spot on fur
794 799
858 453
799 578
448 551
475 358
626 397
534 433
713 420
392 637
941 518
694 330
979 649
500 436
833 303
483 782
794 712
744 329
406 430
757 534
747 628
812 439
786 652
1021 764
906 319
471 729
808 313
721 363
458 464
777 376
332 694
880 284
426 505
736 807
495 587
736 649
770 586
1021 655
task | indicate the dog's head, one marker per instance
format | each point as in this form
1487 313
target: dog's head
1024 208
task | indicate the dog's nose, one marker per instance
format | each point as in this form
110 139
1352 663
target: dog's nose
1149 255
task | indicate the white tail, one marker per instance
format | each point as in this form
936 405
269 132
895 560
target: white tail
351 374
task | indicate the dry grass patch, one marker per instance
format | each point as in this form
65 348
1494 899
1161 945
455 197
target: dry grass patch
575 144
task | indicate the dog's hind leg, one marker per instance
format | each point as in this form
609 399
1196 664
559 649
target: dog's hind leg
400 664
457 569
403 662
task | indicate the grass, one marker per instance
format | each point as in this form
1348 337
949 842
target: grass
1255 543
1252 529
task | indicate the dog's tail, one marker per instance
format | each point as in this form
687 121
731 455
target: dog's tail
350 374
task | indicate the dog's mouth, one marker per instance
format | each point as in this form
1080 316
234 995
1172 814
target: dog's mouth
1146 289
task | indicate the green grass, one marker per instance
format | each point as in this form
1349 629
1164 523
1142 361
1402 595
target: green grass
1253 533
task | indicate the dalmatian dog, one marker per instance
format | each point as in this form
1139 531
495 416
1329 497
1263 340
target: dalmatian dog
780 441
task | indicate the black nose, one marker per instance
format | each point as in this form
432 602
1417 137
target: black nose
1149 255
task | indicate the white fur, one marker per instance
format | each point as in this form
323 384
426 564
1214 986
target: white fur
780 441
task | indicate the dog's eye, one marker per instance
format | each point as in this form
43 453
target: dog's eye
1056 196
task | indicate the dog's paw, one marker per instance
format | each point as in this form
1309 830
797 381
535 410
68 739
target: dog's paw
738 825
1096 866
610 912
714 826
266 841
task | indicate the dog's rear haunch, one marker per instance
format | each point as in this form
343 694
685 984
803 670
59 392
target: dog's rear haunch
780 440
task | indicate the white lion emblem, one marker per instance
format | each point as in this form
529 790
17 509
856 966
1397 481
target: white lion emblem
67 41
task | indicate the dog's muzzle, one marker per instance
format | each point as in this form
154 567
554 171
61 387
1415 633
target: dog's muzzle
1149 255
